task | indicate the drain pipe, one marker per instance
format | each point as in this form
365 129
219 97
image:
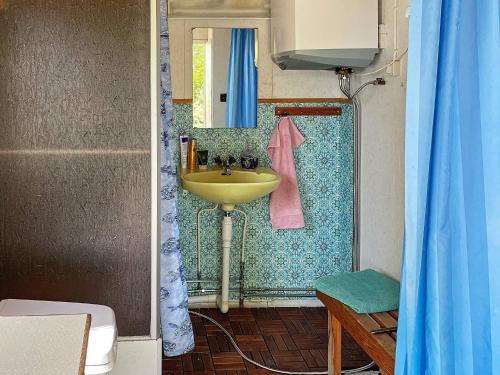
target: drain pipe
210 281
227 234
208 298
210 293
221 300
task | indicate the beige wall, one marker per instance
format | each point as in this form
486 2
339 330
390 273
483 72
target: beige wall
382 174
383 108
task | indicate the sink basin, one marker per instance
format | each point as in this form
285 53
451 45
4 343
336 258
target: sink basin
241 186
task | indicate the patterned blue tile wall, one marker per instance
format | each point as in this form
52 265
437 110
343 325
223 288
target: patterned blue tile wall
278 258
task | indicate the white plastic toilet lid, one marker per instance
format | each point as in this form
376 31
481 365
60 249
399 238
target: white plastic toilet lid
101 348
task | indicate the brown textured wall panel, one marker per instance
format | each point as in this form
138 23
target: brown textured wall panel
74 154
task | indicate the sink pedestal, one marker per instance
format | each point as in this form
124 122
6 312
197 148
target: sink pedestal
227 235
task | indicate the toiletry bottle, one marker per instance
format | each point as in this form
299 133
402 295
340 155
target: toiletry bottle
184 141
192 158
202 159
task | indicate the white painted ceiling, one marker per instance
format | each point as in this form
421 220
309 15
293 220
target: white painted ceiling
219 8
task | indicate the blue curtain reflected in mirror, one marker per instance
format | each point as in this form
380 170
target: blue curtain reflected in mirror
241 107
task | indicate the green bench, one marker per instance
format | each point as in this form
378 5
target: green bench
365 305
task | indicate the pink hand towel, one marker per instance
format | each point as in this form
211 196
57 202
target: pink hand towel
285 207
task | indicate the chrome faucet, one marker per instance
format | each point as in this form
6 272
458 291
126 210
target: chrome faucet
225 164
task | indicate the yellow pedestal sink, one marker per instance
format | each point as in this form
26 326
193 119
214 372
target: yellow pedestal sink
242 186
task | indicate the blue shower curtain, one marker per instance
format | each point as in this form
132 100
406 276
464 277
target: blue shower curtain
449 320
176 328
241 106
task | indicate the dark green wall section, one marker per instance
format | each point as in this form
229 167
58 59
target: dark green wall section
74 154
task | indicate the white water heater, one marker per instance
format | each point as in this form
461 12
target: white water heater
324 34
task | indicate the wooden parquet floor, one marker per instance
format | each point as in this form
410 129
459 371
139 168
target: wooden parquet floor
294 339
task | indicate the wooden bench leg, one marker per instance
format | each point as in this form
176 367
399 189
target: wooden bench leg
334 345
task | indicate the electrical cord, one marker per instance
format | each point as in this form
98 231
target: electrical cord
385 66
246 358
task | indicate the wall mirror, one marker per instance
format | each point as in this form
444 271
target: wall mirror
225 78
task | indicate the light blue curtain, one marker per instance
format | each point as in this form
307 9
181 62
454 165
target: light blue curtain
177 332
449 320
241 106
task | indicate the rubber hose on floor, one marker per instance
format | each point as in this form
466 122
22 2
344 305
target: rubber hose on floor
244 356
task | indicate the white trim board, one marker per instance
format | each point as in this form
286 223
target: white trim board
138 357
